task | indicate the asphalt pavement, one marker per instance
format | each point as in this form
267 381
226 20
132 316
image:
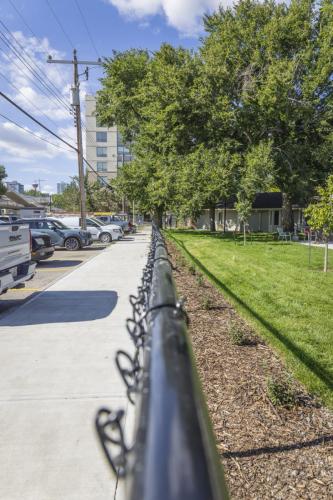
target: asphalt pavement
47 272
57 369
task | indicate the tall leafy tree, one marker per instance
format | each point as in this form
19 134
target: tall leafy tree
268 71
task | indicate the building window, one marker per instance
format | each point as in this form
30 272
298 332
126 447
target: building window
120 142
101 136
276 217
101 152
102 166
127 158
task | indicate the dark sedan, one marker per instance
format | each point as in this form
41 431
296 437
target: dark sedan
41 248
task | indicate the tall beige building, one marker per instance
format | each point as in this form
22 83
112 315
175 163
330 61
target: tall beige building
105 150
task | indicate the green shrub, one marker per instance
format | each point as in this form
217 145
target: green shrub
207 303
280 391
238 336
191 269
200 280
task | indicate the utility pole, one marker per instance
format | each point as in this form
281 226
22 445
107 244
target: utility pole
77 121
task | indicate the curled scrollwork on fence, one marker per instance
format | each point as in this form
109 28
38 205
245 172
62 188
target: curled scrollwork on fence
130 366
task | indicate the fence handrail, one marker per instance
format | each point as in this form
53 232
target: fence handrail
174 454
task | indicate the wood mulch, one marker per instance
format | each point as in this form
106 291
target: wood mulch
267 451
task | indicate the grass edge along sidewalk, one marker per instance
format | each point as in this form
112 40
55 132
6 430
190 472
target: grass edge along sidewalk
288 304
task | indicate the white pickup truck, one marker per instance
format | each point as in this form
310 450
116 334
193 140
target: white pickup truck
15 256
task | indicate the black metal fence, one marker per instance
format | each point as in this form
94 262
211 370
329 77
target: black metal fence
174 454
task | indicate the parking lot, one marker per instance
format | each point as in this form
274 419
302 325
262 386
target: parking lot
47 272
57 370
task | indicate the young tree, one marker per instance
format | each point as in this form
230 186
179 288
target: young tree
257 175
33 192
101 197
70 199
320 214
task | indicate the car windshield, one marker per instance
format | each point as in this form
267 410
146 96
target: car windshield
97 221
59 225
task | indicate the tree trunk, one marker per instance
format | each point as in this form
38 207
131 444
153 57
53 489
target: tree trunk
326 256
212 226
287 213
244 232
158 217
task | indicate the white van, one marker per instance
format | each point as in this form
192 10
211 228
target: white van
98 230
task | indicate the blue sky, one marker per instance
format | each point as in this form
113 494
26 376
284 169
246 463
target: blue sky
113 24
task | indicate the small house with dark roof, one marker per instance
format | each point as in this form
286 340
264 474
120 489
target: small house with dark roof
266 214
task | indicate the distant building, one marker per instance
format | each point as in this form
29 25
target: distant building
15 187
61 186
266 215
105 150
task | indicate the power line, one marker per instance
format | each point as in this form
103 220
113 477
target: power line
32 133
33 72
36 121
60 24
30 102
51 87
22 18
87 29
33 34
98 174
48 130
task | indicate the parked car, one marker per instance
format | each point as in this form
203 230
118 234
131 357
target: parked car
60 234
9 218
114 219
16 266
41 248
99 231
104 226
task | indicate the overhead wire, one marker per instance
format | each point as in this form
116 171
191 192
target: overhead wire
31 103
12 47
27 25
48 130
35 68
35 120
60 24
28 131
87 28
41 85
22 18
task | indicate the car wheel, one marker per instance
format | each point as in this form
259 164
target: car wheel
105 238
72 244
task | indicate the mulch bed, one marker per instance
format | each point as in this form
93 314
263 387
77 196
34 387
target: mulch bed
267 451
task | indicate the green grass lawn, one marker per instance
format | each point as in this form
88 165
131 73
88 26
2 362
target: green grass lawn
271 284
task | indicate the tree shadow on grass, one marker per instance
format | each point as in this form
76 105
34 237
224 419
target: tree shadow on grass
307 360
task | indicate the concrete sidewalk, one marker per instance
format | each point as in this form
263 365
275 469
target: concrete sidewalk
317 245
56 369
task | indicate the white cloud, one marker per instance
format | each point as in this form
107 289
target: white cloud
47 188
185 15
18 144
